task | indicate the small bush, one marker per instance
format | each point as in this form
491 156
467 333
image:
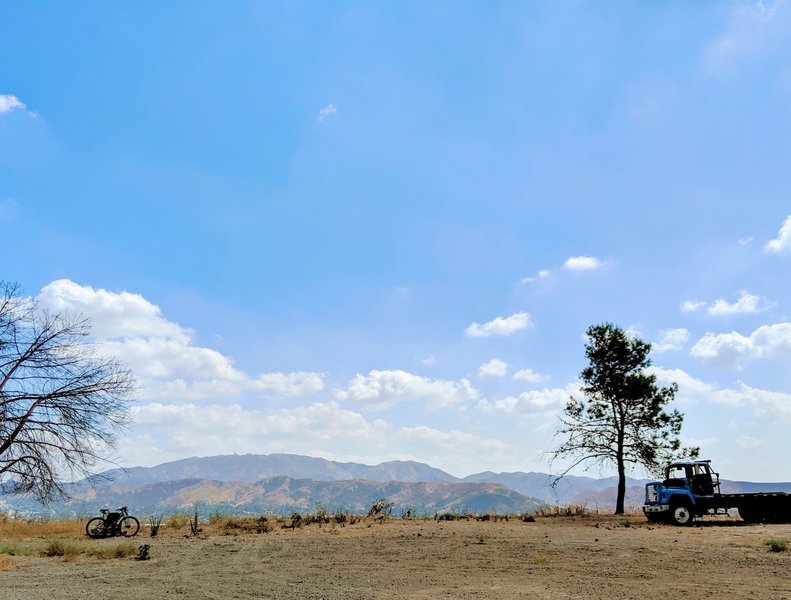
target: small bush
237 525
448 516
381 508
194 529
408 512
54 548
296 520
777 545
7 563
156 522
178 521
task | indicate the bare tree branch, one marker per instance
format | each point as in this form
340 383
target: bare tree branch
61 402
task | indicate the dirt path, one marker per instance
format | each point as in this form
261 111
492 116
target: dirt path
552 558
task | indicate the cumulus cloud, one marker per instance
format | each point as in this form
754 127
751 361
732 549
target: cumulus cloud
671 339
765 404
327 111
501 325
692 305
532 402
582 263
382 389
529 376
746 304
9 102
782 243
542 274
730 349
461 447
177 430
493 369
161 353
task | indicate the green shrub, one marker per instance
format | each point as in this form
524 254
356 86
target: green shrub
777 545
156 522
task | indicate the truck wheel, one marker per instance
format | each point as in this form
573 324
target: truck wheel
681 514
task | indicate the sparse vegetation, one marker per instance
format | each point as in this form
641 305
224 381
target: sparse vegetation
155 522
193 522
562 510
296 520
381 508
777 545
178 521
68 549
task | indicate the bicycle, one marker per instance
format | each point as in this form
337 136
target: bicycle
112 523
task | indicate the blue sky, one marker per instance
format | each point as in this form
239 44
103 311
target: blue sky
373 231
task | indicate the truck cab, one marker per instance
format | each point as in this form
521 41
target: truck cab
684 492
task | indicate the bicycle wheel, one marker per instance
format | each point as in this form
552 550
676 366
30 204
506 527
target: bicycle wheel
129 526
95 528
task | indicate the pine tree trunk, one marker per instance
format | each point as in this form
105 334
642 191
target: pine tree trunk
621 487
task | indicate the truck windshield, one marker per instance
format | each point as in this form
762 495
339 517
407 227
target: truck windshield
677 472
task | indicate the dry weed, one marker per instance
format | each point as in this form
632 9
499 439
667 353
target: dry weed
7 563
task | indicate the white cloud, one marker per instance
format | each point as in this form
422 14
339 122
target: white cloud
745 441
582 263
692 305
501 325
782 243
428 360
764 404
530 376
178 430
290 384
382 389
746 304
729 349
327 111
112 314
542 274
744 241
671 339
454 450
493 369
9 102
533 402
161 353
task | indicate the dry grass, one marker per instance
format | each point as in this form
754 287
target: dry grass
7 563
67 549
15 529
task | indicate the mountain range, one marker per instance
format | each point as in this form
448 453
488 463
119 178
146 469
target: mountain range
280 483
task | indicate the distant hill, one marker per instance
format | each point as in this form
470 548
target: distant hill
284 482
255 467
283 495
250 468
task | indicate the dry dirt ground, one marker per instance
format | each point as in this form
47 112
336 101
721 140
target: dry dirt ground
577 557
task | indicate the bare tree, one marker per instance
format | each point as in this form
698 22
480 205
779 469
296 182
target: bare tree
61 401
622 418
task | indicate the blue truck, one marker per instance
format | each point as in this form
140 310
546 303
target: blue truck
692 489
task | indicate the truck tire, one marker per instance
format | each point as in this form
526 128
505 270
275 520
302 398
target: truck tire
681 514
